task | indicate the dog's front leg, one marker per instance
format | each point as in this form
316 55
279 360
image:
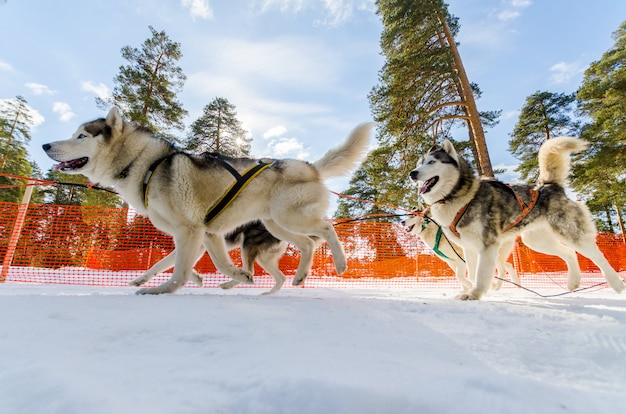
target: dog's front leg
188 244
485 267
164 264
214 244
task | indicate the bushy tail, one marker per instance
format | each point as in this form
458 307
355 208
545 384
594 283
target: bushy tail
340 160
554 158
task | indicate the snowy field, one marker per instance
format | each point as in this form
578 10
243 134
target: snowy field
72 349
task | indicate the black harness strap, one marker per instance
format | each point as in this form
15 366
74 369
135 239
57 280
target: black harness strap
148 177
229 196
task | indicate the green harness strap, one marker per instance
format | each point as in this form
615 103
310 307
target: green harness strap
437 238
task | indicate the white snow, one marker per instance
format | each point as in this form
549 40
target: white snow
84 349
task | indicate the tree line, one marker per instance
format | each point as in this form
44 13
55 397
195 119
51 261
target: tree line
423 95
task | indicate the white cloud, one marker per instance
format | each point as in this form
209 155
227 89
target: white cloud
286 148
39 89
275 132
563 72
508 14
198 8
285 61
64 110
99 89
513 9
5 66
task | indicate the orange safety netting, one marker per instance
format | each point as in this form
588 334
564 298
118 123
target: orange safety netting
110 247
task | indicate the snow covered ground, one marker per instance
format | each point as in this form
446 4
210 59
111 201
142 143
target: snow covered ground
72 349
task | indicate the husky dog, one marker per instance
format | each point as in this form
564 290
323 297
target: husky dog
483 215
430 233
255 242
189 196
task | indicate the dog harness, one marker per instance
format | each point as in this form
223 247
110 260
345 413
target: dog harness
425 222
526 208
241 181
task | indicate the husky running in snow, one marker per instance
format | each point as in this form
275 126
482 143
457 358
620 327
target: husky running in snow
482 216
189 196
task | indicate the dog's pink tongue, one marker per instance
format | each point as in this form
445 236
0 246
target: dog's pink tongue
60 166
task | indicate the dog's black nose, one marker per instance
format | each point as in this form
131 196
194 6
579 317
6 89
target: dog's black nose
46 147
413 175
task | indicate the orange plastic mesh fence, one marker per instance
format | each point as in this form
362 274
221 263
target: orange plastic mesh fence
110 247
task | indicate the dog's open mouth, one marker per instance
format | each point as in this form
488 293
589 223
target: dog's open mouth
72 164
429 184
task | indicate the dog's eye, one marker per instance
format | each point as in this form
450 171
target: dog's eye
431 162
81 136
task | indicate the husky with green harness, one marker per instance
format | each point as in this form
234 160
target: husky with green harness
432 235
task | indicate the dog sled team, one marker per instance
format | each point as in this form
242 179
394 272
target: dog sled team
209 202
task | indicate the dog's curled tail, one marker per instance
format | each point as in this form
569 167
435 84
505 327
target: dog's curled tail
554 158
340 160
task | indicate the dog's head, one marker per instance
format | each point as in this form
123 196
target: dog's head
437 172
77 154
414 222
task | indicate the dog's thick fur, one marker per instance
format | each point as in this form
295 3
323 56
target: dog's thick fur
427 230
290 197
556 225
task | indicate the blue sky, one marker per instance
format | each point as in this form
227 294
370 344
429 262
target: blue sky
298 71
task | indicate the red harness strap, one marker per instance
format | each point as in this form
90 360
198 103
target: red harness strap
526 208
534 196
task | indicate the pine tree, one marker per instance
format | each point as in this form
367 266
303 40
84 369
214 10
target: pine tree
219 130
423 86
544 115
15 125
602 98
422 94
146 87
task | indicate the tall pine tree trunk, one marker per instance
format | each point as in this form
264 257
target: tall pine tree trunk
475 125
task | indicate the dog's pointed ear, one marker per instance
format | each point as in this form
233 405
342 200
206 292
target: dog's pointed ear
449 149
114 120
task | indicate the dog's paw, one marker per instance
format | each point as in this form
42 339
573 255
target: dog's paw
139 281
341 266
229 285
148 291
573 286
196 278
242 276
159 290
299 279
467 296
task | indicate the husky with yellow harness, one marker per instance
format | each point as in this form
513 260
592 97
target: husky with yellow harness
484 216
200 198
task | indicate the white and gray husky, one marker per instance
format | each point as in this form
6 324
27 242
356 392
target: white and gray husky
485 216
200 198
431 234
